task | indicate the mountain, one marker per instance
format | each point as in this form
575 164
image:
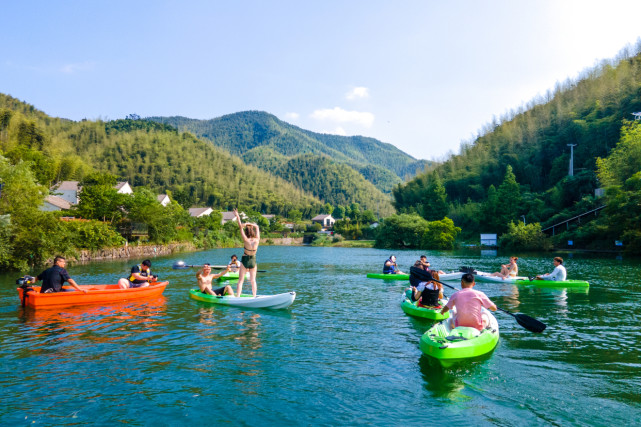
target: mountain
160 157
243 133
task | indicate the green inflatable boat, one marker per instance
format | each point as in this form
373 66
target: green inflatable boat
452 345
431 313
388 276
554 283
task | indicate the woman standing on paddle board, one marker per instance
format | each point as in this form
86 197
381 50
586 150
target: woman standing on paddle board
251 238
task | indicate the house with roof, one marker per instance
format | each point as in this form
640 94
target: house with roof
67 190
200 212
123 187
55 203
163 199
229 216
326 221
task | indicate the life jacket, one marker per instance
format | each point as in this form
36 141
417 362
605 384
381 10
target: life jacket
147 273
389 269
429 297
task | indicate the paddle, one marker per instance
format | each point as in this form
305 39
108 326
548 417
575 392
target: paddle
180 265
529 323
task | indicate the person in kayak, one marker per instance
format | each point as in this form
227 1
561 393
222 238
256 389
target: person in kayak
424 264
428 293
234 264
250 233
205 278
53 278
468 303
390 267
140 276
559 274
508 270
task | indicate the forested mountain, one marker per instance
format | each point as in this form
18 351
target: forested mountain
241 133
587 113
158 156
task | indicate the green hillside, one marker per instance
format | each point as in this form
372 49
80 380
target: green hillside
533 141
145 153
243 132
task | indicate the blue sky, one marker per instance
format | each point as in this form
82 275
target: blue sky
421 75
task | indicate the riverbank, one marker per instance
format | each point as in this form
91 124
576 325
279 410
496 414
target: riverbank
146 251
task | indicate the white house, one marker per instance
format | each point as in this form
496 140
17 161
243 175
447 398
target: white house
163 199
199 212
488 239
124 188
324 220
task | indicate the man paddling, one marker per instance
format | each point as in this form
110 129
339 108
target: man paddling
559 273
53 277
390 267
468 303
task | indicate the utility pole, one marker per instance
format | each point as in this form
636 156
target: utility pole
571 172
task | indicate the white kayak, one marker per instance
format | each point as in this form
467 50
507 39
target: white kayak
482 276
261 301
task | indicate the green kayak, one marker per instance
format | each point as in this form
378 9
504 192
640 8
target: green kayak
451 345
388 276
431 313
232 275
554 283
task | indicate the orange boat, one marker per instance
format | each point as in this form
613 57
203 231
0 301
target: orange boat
97 294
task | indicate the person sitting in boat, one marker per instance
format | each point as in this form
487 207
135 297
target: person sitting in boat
468 303
390 267
508 270
424 264
140 276
428 293
234 264
559 274
53 278
205 279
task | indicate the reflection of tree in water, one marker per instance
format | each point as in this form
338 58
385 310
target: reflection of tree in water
513 297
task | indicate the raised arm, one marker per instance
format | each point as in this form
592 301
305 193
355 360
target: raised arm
240 225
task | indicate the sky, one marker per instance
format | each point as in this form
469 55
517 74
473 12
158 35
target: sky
424 76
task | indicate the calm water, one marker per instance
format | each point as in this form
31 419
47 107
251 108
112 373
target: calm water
344 353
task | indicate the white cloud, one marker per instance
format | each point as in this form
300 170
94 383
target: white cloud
72 68
339 115
339 131
357 92
292 116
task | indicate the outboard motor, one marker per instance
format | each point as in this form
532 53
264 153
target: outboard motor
25 283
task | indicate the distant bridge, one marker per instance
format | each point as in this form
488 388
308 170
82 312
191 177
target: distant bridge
567 221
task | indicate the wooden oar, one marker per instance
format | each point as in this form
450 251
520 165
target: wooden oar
529 323
180 265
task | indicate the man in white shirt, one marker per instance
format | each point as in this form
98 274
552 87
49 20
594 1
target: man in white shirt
558 274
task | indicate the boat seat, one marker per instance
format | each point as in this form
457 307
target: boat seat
463 332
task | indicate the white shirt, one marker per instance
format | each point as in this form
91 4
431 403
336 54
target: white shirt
558 274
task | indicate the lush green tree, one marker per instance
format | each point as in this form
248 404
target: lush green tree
434 206
339 211
401 231
295 215
328 208
102 202
440 234
525 237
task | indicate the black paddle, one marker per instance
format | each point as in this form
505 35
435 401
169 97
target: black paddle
180 265
529 323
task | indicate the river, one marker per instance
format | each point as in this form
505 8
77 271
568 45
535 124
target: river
343 354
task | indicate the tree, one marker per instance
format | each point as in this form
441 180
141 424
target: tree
441 234
434 203
328 208
339 212
401 231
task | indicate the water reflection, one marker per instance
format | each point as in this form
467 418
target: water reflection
117 318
